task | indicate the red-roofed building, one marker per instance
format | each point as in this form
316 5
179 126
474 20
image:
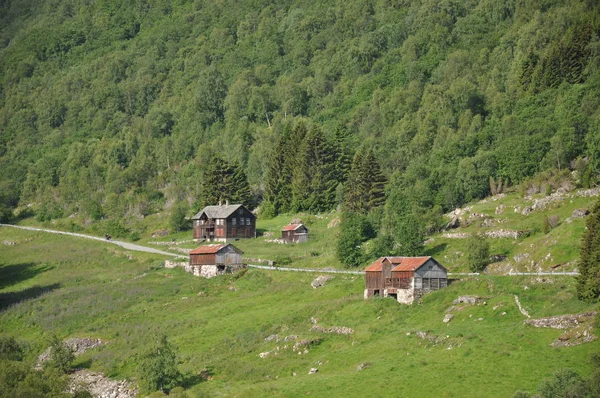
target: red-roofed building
404 278
213 260
294 233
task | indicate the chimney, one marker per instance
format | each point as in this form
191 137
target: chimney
220 203
226 202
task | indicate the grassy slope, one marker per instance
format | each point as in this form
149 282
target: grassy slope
97 290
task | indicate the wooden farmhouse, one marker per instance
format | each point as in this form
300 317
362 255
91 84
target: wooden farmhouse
223 223
404 278
294 233
213 260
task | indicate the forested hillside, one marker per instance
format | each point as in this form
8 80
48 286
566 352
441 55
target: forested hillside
113 109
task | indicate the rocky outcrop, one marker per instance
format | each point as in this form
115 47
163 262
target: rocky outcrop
471 300
100 386
580 213
333 329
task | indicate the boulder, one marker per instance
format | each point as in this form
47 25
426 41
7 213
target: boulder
448 318
455 223
312 371
580 213
500 209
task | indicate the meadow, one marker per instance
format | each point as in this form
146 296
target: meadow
77 288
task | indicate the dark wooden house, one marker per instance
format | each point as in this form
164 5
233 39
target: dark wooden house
223 223
404 278
294 233
213 260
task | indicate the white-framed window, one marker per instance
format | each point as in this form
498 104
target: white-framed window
247 221
233 221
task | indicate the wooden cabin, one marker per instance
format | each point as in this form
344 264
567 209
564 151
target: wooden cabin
213 260
223 223
294 233
404 278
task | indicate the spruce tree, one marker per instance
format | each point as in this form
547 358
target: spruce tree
224 182
588 281
240 189
377 181
357 187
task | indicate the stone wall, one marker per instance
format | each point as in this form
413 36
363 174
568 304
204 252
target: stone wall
175 264
206 271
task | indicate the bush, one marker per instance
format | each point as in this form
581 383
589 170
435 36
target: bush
478 256
178 221
283 260
157 368
62 356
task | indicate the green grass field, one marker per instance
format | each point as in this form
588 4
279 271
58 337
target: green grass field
78 288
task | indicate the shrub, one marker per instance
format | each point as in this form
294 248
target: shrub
478 256
61 355
157 367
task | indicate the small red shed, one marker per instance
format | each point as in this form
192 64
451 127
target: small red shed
294 233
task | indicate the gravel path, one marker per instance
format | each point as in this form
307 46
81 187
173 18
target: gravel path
124 245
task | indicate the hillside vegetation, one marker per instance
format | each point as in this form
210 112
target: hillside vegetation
117 110
219 327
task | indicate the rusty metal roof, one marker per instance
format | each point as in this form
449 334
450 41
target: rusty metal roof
208 249
223 211
292 227
401 263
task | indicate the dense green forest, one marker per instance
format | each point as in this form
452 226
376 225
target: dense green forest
117 110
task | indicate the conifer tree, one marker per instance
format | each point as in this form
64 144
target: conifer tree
343 160
377 181
588 281
366 184
225 182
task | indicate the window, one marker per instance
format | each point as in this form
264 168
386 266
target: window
233 221
247 221
430 267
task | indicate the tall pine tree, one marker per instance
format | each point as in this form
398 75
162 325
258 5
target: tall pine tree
224 182
588 281
366 184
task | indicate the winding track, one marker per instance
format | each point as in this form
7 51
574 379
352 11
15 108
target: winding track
124 245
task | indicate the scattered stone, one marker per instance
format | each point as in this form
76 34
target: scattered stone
526 211
456 235
498 306
268 234
488 222
334 329
313 320
264 354
562 321
8 243
100 386
580 213
523 311
290 338
363 366
448 318
312 371
504 313
505 233
495 258
272 337
78 345
472 300
480 319
500 209
320 281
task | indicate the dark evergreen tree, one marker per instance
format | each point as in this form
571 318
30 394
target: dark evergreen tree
588 281
354 231
240 189
224 182
377 181
343 158
366 184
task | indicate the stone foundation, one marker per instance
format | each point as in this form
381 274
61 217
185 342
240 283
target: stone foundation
403 296
206 271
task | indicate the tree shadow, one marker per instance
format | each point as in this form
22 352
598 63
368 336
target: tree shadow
15 273
260 232
84 364
190 380
11 298
437 249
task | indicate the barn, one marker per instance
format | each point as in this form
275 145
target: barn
224 223
294 233
212 260
404 278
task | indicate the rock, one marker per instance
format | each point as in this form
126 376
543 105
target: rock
500 209
472 300
334 329
296 221
448 318
272 337
526 211
312 371
268 234
362 366
320 281
457 235
504 313
494 258
488 222
454 223
8 243
264 354
580 213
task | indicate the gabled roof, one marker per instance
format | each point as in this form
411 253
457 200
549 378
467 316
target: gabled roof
208 249
223 211
292 227
400 263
